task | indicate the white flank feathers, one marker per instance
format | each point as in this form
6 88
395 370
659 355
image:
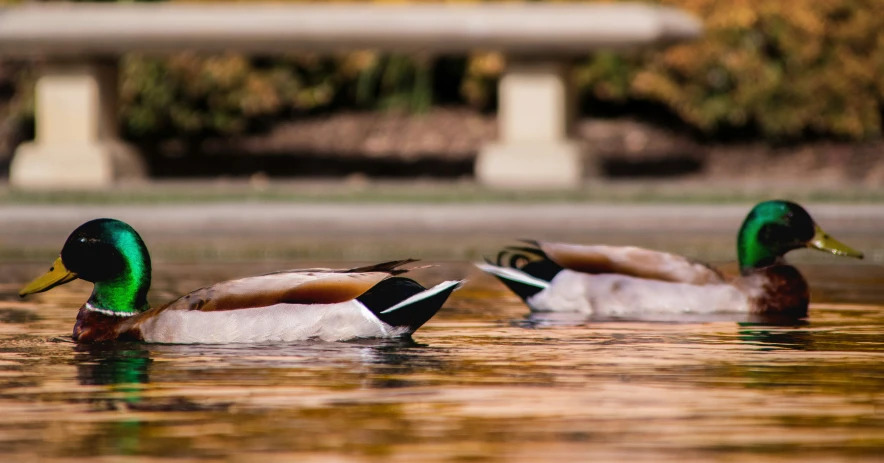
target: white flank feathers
623 295
275 323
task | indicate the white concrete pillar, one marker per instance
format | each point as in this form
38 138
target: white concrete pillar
535 116
76 144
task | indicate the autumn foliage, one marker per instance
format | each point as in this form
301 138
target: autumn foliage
775 69
787 68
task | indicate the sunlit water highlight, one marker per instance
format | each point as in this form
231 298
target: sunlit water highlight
481 382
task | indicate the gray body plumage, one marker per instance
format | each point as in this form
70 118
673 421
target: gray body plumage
275 323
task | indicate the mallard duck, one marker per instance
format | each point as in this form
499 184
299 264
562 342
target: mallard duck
326 304
604 281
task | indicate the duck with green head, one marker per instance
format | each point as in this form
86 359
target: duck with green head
623 280
291 305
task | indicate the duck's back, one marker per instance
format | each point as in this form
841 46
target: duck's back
315 286
631 261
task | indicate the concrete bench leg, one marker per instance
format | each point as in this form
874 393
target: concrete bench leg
535 117
76 143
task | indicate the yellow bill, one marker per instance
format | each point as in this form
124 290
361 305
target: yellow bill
57 275
822 241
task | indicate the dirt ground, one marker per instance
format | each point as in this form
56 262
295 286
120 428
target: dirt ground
443 144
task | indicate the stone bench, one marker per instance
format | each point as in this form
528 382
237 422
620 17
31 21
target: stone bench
77 144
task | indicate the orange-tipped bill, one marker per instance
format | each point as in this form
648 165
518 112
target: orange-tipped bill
57 275
822 241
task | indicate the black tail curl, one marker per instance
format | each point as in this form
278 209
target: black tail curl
529 259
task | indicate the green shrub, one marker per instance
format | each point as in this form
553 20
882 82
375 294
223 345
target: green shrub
195 96
227 94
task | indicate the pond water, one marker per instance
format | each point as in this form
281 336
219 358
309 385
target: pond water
480 382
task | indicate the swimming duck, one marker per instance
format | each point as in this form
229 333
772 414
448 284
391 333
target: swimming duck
326 304
615 281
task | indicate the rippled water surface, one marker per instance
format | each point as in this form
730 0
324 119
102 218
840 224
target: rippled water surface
480 382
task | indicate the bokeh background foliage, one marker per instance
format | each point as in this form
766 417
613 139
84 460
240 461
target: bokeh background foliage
774 70
784 68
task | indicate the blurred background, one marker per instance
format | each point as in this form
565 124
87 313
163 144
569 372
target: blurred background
773 90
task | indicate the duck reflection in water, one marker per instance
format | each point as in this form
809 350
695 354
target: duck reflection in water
403 358
382 363
125 368
770 336
112 364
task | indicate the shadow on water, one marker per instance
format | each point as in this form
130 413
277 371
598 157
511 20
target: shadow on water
571 319
401 357
764 331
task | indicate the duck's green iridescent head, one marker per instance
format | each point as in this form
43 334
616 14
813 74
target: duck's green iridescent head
774 228
110 254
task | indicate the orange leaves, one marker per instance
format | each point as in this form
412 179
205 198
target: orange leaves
789 68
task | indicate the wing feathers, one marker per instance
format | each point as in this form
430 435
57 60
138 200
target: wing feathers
333 289
390 267
386 267
313 286
628 260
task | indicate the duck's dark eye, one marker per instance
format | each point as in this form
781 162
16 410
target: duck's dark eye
773 233
93 260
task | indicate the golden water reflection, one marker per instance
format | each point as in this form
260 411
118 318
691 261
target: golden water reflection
481 382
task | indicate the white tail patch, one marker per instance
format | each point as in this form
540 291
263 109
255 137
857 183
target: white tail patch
513 275
445 285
